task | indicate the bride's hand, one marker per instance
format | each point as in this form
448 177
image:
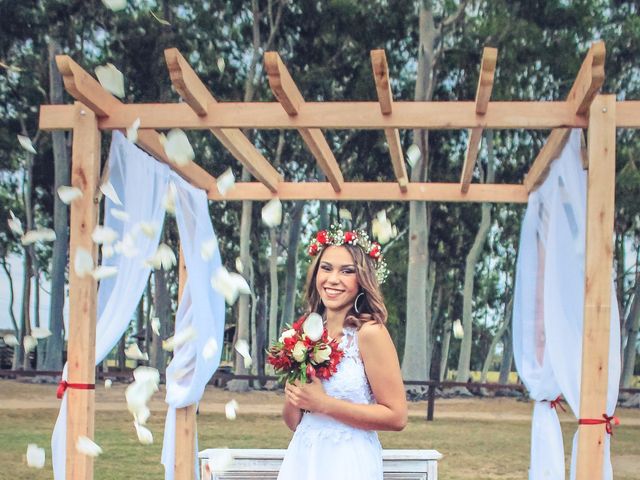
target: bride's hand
309 396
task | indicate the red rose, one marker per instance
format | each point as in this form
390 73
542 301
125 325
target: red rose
311 372
313 249
375 250
349 237
322 237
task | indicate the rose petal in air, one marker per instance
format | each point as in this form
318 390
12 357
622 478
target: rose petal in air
164 257
29 343
104 235
107 189
344 214
272 213
104 271
111 79
413 155
40 332
35 456
25 142
148 229
115 5
108 383
155 325
145 437
210 349
120 215
230 409
179 339
132 131
242 347
11 340
133 353
458 331
170 199
83 262
88 447
226 181
178 148
208 248
69 194
38 235
15 224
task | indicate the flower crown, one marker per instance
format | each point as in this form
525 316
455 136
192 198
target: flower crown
336 236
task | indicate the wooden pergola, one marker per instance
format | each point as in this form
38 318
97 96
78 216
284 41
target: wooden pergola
96 110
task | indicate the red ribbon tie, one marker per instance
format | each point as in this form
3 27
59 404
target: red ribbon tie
557 403
606 420
63 385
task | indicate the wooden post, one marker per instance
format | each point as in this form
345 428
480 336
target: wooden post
85 171
597 300
184 466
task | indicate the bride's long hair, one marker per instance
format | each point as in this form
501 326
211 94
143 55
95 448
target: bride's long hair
371 308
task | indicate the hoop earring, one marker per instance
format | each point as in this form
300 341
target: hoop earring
355 303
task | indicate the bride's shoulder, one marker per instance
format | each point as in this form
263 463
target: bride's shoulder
372 331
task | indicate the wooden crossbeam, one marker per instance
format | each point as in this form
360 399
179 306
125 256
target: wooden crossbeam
332 115
588 81
376 191
198 97
86 89
385 98
289 96
483 94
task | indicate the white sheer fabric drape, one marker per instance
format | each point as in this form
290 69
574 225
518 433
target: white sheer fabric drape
141 184
549 308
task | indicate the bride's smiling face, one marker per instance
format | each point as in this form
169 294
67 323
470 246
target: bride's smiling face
336 279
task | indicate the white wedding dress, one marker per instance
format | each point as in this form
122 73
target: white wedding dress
323 447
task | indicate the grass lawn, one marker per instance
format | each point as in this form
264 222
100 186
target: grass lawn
473 449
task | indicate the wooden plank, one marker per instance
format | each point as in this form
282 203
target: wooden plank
85 172
289 96
383 88
84 88
483 94
185 454
376 191
589 79
628 114
598 274
340 115
201 101
550 151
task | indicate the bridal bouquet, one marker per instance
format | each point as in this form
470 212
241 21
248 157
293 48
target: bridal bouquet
304 351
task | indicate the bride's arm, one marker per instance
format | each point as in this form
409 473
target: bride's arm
290 413
383 372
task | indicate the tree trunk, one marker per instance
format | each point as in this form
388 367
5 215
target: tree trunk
489 358
507 356
464 360
273 282
446 342
55 342
121 357
12 316
633 325
415 363
291 277
162 307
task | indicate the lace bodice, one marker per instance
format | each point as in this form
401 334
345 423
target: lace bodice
348 383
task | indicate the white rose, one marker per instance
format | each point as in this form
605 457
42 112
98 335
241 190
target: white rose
286 334
299 352
322 355
313 327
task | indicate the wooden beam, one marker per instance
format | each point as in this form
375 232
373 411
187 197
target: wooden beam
334 115
588 81
550 151
81 356
483 94
287 93
385 98
597 288
83 87
628 114
200 100
376 191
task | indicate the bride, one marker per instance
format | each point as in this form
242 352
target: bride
335 420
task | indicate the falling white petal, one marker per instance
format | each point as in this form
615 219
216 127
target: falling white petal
272 213
413 155
132 131
142 415
25 142
133 353
148 229
15 224
164 257
35 456
239 265
69 194
178 148
169 200
180 338
210 349
104 271
230 409
88 447
220 64
155 325
145 437
344 214
82 262
40 332
161 21
108 251
108 383
38 235
29 343
107 189
229 284
381 227
242 347
120 215
208 248
226 181
219 462
148 376
115 5
127 246
111 79
11 340
104 235
458 331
